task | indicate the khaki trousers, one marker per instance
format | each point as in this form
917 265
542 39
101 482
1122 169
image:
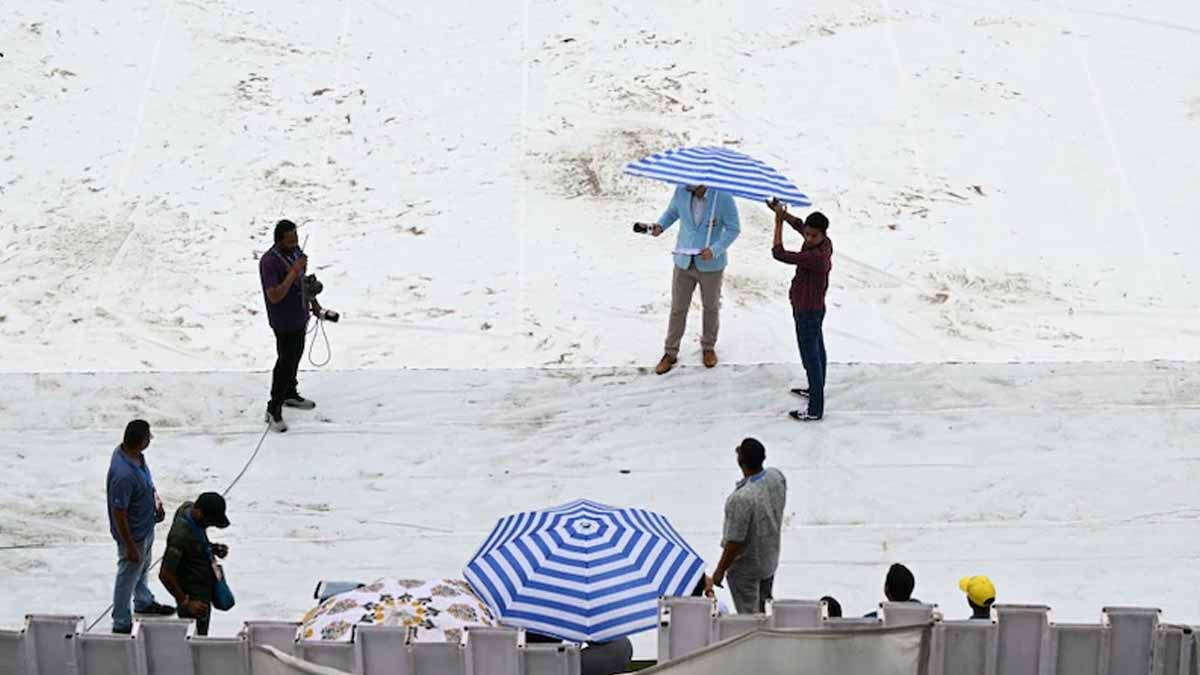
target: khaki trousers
683 286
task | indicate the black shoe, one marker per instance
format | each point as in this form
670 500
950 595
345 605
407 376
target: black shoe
802 393
803 417
298 401
156 609
122 631
275 420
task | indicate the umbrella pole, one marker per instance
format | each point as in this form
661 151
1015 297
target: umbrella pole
712 220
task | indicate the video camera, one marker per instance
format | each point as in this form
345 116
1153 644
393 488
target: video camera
312 288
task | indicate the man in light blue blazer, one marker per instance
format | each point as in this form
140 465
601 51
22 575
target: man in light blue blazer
700 259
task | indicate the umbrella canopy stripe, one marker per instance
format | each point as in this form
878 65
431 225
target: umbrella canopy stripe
503 531
746 190
599 570
552 555
606 630
673 534
705 176
555 579
582 571
720 169
563 620
652 522
729 158
738 188
667 530
723 169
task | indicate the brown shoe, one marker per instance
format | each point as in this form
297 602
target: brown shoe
710 358
665 364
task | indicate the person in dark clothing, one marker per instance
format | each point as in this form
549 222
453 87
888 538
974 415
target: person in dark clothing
813 262
832 607
898 585
281 270
188 566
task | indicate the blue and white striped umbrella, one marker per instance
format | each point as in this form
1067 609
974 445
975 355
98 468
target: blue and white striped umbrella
719 169
582 571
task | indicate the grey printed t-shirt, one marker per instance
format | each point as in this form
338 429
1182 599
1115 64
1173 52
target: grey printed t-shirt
753 518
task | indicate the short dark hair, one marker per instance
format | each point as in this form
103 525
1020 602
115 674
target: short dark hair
283 227
817 221
899 584
751 454
137 433
832 606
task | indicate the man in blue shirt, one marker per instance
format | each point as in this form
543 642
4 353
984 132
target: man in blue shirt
700 260
133 509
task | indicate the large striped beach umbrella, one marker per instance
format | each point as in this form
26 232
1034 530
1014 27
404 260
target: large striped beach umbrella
582 571
719 169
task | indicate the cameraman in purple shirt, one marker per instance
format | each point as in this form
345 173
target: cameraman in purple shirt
282 271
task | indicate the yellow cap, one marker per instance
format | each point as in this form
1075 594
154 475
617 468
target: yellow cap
979 589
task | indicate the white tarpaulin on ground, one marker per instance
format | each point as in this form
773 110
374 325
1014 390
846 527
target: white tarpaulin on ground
878 651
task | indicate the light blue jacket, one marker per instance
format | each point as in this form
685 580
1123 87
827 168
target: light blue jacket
693 234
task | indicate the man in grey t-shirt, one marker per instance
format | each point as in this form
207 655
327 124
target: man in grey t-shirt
753 520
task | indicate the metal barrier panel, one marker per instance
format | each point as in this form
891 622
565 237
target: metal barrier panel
1022 637
383 650
164 645
1078 649
278 634
733 625
1131 647
549 659
491 651
896 614
219 656
437 658
1168 650
850 623
685 624
12 653
964 648
339 655
50 643
795 613
103 654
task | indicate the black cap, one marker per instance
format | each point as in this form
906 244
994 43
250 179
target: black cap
212 505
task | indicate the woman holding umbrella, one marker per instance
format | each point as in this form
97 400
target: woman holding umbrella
813 262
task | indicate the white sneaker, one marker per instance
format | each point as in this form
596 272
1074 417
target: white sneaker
803 416
276 422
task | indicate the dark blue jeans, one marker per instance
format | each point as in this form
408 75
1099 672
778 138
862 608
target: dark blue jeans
811 340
